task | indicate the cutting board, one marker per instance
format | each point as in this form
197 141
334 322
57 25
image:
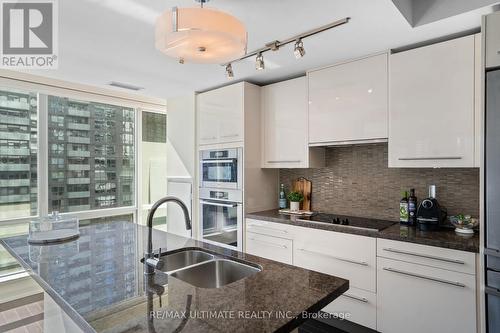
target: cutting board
304 186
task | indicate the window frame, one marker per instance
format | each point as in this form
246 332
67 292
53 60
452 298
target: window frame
45 87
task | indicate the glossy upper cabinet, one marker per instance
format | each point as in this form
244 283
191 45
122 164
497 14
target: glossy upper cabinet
492 40
220 115
284 126
349 101
432 105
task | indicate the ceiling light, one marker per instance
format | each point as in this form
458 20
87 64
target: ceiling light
200 35
259 62
229 71
299 50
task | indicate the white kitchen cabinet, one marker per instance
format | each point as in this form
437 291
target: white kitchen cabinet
284 127
349 102
432 106
269 247
416 298
348 256
360 305
492 40
220 115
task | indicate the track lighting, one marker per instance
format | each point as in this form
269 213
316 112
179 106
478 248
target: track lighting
299 50
229 71
276 45
259 62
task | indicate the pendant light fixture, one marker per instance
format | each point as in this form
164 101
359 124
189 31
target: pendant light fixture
200 35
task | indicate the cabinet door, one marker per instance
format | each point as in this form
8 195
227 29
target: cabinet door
351 257
269 247
431 116
415 298
492 40
284 123
359 306
220 115
349 101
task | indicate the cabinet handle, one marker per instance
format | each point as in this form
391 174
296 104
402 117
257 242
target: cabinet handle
357 298
453 283
492 291
209 138
230 136
278 230
454 261
215 161
269 243
289 161
362 263
430 158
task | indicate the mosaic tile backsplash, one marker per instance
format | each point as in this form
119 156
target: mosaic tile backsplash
357 182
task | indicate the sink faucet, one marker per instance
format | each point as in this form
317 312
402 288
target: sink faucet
150 262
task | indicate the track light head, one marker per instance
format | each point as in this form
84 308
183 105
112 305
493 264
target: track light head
229 72
259 62
299 50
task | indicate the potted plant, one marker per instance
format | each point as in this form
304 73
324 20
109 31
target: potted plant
295 198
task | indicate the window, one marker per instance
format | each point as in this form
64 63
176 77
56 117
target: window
96 147
18 154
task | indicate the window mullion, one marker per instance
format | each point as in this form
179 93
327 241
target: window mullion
43 148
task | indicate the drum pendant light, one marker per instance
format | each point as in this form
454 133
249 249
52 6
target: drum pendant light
200 35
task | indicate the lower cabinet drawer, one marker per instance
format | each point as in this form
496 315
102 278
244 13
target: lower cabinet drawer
356 305
414 298
347 256
269 247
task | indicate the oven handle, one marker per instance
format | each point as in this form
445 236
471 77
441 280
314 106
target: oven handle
217 161
203 202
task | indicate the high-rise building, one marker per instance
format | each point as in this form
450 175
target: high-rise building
91 155
18 154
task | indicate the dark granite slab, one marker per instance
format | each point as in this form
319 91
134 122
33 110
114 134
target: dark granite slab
446 238
98 280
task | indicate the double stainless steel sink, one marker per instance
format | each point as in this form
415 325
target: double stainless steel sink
204 270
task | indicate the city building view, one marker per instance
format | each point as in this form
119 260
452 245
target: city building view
91 155
18 154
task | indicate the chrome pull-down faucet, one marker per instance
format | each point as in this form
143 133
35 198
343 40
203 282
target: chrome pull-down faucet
150 262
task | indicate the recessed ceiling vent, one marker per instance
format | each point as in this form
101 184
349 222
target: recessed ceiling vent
125 86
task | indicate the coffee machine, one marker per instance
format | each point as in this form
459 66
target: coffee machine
430 215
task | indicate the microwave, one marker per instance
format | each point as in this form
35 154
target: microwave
221 168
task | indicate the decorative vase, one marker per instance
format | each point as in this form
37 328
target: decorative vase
294 206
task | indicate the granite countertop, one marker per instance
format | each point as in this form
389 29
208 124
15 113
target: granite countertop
446 238
98 281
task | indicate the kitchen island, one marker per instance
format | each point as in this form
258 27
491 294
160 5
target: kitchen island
97 282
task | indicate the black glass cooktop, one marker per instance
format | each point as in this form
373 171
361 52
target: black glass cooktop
349 221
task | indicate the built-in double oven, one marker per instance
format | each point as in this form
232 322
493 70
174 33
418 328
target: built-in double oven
221 196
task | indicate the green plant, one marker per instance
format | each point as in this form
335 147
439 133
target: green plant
295 196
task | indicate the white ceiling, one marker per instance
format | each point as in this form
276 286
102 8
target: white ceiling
113 40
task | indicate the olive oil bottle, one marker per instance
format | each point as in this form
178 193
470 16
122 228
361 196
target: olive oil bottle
403 208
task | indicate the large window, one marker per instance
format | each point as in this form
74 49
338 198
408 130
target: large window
91 155
18 154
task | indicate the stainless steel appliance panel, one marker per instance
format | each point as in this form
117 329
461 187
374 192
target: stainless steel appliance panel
492 167
221 168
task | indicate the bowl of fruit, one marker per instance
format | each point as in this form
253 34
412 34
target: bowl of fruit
464 224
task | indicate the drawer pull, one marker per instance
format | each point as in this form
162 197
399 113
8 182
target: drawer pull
356 298
209 138
230 136
492 291
454 261
269 243
362 263
453 283
290 161
267 228
430 158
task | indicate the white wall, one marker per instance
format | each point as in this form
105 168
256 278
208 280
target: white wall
181 136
